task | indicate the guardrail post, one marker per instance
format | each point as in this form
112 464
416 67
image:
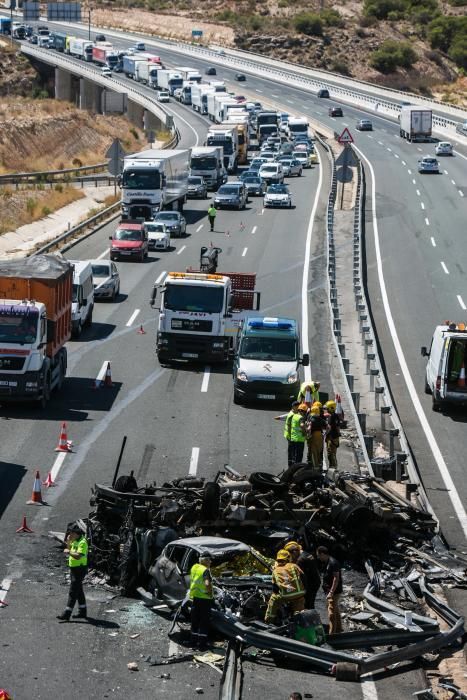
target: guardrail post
385 411
379 391
350 381
369 442
393 433
362 420
342 349
356 400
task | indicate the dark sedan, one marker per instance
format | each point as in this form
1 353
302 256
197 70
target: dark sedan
335 112
241 77
254 185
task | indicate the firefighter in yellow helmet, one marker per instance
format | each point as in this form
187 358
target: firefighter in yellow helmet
316 426
333 432
309 392
287 585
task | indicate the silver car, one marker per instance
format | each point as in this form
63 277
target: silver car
158 235
174 221
291 167
106 279
428 164
232 194
197 187
444 148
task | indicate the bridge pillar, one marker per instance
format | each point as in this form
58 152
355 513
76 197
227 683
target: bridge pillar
90 96
151 122
63 81
135 114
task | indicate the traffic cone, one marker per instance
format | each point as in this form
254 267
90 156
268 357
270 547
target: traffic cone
24 526
461 380
49 481
242 226
108 376
141 330
64 445
36 498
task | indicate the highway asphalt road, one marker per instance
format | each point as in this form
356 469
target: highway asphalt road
166 414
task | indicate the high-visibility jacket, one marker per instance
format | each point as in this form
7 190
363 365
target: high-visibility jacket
302 393
212 211
293 428
287 578
80 546
198 588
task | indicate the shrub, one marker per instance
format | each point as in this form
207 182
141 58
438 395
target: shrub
391 55
458 51
449 35
134 133
340 66
77 162
309 23
332 18
45 211
31 205
381 8
59 187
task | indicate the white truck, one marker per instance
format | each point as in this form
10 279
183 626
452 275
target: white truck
227 137
184 94
80 48
217 85
199 314
446 365
415 123
297 125
190 74
169 80
243 130
146 73
218 104
154 180
199 97
208 163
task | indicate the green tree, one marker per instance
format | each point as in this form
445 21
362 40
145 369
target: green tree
391 55
381 8
309 23
458 51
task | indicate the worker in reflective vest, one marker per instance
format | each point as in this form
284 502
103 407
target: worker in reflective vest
333 432
201 596
294 433
287 585
309 393
77 553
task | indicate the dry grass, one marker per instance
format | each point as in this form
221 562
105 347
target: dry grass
107 202
20 207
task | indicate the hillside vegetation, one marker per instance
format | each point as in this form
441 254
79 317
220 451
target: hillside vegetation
416 45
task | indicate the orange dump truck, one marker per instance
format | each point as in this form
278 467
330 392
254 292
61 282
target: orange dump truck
35 324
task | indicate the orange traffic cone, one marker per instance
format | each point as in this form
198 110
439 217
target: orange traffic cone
141 330
108 376
24 526
36 498
461 380
49 481
64 445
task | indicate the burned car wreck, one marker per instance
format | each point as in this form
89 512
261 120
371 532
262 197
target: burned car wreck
145 540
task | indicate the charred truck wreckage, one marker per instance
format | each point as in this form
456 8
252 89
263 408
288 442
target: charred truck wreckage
145 541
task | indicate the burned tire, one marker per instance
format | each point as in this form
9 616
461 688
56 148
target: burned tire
211 501
287 476
303 474
347 671
126 484
129 566
263 481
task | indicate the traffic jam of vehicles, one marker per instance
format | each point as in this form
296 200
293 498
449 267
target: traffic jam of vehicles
157 543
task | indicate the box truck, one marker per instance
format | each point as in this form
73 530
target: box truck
415 123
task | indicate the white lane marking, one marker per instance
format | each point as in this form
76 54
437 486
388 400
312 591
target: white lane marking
418 192
58 464
368 687
410 172
253 230
389 149
244 252
274 95
419 149
460 154
345 124
395 155
102 255
451 490
403 162
205 382
443 265
177 116
453 182
380 143
461 302
422 205
461 193
414 181
290 102
199 228
161 277
193 461
446 172
256 90
5 584
306 272
433 242
181 249
370 137
262 212
427 221
132 317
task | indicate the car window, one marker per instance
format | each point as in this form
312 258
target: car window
177 555
192 558
100 270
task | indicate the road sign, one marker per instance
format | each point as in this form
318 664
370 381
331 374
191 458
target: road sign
116 155
345 137
196 33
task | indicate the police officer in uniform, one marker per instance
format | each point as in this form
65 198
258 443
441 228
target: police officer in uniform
201 596
77 552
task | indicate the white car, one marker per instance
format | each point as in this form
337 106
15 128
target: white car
271 173
444 148
106 72
163 96
428 164
158 235
277 196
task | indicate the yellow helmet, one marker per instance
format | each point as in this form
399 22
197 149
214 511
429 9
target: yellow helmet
330 405
303 407
283 555
317 404
292 545
315 411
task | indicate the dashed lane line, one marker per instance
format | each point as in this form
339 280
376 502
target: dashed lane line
4 588
181 249
102 255
132 318
205 382
422 205
418 192
427 221
443 265
199 228
433 242
461 193
254 229
461 302
193 461
453 182
58 464
161 277
244 252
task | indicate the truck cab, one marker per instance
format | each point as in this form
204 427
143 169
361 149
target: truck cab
267 360
446 364
83 296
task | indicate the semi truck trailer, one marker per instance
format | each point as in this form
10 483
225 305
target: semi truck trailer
415 123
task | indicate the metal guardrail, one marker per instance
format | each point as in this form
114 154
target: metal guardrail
49 175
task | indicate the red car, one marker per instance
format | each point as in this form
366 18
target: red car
130 240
